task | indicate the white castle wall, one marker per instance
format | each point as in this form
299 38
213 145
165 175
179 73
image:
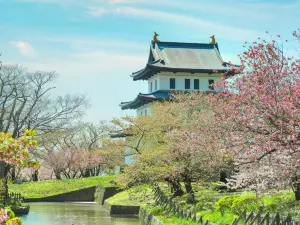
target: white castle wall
163 81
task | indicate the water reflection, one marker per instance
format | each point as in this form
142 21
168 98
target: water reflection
73 213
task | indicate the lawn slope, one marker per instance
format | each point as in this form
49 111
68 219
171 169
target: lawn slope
53 187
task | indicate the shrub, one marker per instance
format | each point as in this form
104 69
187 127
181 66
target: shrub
205 202
7 217
249 203
282 203
225 203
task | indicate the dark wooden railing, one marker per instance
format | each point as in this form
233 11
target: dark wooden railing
12 199
161 199
265 219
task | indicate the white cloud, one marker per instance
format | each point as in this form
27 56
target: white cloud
103 75
95 11
86 43
24 48
225 31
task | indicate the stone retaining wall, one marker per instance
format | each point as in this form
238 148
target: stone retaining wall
81 195
121 209
149 219
103 193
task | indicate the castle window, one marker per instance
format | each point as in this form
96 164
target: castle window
145 112
155 84
196 84
211 85
151 88
187 83
172 83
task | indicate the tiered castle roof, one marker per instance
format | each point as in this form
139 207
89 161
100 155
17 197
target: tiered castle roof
182 57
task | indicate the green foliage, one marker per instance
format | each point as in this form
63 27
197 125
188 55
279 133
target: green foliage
218 208
16 151
205 202
237 204
53 187
173 220
2 187
282 202
217 217
225 203
10 213
155 210
166 217
13 219
249 203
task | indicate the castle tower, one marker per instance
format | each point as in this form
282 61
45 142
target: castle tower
177 66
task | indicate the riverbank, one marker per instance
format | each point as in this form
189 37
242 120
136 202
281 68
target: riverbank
211 205
143 196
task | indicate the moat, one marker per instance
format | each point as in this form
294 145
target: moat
74 213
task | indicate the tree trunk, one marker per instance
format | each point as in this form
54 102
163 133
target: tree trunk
35 175
13 173
3 184
296 186
189 190
297 192
86 173
223 179
223 176
57 175
175 187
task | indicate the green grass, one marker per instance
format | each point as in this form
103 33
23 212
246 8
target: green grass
207 197
173 220
143 196
53 187
206 206
166 217
136 196
217 218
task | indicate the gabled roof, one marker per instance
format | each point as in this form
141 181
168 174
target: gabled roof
182 57
143 99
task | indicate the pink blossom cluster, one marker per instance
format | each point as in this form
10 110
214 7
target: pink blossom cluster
3 216
260 114
16 151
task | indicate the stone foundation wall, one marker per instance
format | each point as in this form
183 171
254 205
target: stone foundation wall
103 193
81 195
121 209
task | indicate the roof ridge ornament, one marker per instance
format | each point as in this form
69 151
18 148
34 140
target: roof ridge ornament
213 40
155 39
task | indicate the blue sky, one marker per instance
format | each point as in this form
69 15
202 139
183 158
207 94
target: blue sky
94 45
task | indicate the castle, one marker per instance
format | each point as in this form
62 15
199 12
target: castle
177 66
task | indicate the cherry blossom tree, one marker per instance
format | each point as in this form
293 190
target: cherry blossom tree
197 148
81 151
16 152
146 139
260 113
176 144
